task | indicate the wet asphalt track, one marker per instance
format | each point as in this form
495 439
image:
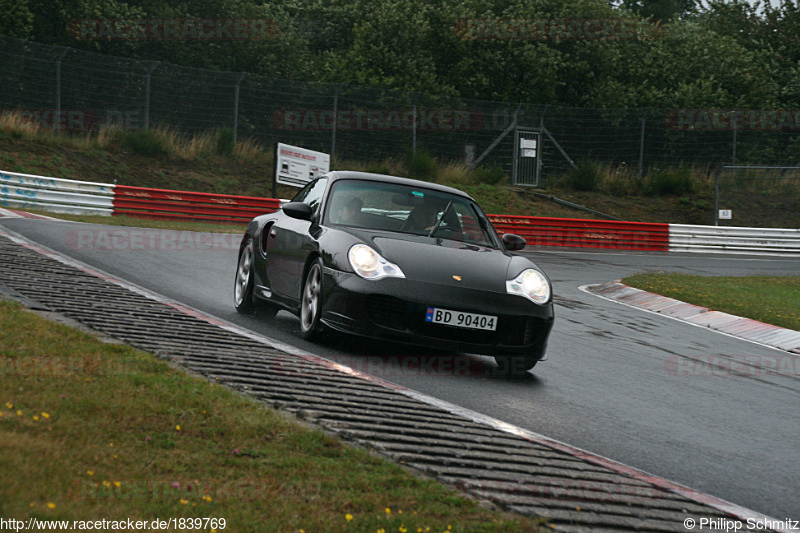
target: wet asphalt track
610 385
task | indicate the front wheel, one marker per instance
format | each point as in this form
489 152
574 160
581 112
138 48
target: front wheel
311 303
243 284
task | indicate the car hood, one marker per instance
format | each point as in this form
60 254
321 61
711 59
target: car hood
443 262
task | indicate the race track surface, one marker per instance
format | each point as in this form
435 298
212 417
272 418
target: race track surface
613 384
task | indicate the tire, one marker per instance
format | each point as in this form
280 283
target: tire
515 365
311 303
243 284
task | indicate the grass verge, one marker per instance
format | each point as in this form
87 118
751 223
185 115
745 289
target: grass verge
771 299
92 431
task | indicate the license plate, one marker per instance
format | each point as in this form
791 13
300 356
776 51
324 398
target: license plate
460 319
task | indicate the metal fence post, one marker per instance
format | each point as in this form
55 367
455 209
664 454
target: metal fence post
58 90
414 130
735 128
335 120
641 149
147 94
236 105
541 148
716 195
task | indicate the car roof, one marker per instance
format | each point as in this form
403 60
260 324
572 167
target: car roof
386 178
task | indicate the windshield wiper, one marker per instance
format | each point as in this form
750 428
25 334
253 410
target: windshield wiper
439 222
487 233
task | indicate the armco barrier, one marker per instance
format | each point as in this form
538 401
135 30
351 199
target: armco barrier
734 240
585 233
144 202
26 191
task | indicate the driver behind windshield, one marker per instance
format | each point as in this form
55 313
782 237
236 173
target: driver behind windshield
422 218
351 211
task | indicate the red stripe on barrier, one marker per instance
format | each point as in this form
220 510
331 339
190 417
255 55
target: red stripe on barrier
144 202
200 197
179 217
188 208
585 233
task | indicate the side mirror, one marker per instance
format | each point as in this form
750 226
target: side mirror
513 242
298 210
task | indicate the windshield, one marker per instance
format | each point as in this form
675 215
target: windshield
400 208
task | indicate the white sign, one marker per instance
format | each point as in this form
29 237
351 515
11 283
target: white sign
528 147
469 153
725 214
297 166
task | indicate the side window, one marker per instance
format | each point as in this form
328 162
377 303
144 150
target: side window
474 232
312 193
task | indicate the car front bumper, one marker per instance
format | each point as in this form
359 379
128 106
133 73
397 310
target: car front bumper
394 309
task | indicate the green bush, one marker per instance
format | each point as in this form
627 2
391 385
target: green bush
145 142
226 141
672 182
584 178
489 175
422 165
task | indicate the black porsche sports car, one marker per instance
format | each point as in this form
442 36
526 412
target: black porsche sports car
396 259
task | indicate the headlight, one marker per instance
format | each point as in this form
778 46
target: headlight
369 264
531 284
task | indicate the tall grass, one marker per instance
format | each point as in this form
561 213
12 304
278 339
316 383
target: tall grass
16 124
624 180
156 142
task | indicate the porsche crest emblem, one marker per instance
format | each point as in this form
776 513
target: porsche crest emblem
457 278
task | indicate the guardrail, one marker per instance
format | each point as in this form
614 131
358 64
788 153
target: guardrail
145 202
26 191
585 233
734 240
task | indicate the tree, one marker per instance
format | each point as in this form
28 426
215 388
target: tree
661 10
16 19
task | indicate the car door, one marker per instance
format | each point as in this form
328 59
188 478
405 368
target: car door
291 242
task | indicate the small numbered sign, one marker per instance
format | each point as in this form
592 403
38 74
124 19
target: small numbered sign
725 214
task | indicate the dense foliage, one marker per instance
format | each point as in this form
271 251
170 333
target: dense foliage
592 53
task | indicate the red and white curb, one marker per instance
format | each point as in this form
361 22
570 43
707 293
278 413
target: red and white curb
741 513
732 325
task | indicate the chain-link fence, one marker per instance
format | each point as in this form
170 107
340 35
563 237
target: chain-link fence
757 196
68 89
